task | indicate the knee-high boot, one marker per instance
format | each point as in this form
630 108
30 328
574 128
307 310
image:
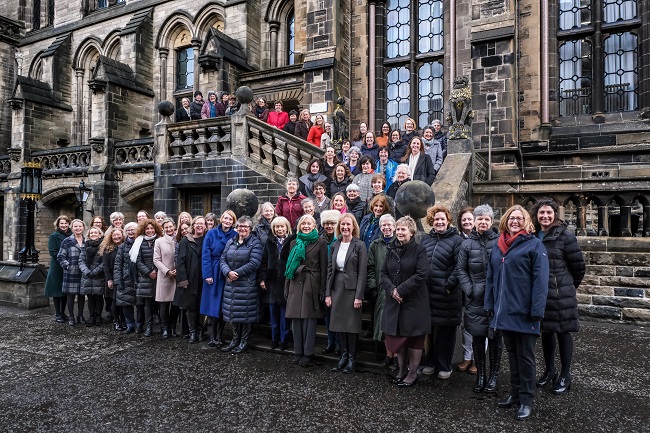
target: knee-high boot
479 359
246 329
352 353
495 362
236 338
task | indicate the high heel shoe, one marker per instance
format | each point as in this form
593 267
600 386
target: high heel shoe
547 378
562 386
396 379
404 384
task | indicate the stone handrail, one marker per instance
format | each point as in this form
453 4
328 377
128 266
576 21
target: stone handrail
134 152
64 162
276 150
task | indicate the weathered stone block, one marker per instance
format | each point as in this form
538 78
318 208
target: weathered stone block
624 271
595 290
600 312
636 314
583 299
628 292
625 281
621 302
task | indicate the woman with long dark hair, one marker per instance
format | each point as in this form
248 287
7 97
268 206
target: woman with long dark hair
54 281
142 255
566 270
91 266
108 251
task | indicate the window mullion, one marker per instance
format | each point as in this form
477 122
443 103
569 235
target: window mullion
413 69
598 97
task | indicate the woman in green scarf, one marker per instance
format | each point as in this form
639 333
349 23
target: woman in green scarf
304 289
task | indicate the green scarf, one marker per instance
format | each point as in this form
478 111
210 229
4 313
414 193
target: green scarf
297 254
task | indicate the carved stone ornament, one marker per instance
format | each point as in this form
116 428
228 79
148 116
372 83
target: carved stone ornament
460 109
15 153
97 145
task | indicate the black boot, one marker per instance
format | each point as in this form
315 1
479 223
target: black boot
236 336
219 335
495 363
352 354
345 356
479 360
246 329
148 325
165 332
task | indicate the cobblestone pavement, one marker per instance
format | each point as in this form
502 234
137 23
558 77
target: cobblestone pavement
57 378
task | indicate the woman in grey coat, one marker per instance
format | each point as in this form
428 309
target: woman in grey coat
240 260
346 282
68 258
91 266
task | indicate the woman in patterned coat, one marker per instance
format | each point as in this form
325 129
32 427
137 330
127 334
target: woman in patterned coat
68 258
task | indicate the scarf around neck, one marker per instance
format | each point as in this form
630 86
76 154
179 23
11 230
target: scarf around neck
506 240
297 254
135 249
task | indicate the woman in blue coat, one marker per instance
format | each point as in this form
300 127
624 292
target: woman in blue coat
240 261
213 280
515 298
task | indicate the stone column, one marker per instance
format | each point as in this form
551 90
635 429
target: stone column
372 59
644 64
598 91
626 212
78 132
196 46
274 27
162 54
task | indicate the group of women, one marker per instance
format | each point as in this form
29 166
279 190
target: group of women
512 284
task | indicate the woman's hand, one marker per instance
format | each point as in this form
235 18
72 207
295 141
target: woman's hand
171 273
263 284
232 276
209 280
328 301
153 275
109 283
396 296
357 303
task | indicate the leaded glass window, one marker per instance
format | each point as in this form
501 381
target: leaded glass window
291 39
36 18
184 68
414 61
610 83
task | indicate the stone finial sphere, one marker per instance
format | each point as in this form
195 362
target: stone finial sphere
414 198
244 95
242 201
166 108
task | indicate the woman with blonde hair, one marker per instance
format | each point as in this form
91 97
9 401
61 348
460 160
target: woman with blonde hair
515 298
163 258
108 251
91 266
68 258
346 282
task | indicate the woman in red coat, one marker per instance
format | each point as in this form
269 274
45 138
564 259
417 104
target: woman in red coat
316 131
277 118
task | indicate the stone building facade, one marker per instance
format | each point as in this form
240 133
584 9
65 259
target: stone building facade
560 92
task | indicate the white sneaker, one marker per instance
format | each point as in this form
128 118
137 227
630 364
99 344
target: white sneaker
444 374
428 371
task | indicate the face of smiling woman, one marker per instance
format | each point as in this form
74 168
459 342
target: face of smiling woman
515 222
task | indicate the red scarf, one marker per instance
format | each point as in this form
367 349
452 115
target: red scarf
506 240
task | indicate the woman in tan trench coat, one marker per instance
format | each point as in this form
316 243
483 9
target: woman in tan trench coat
163 258
346 282
306 275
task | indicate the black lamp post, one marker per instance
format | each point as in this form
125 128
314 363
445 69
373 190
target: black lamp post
31 187
82 197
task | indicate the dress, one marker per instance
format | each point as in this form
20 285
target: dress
68 258
212 294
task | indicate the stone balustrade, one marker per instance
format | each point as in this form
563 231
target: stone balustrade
66 162
133 156
274 149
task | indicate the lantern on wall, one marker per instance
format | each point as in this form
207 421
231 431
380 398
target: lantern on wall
31 187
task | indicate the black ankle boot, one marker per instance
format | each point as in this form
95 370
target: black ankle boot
548 378
236 336
193 338
165 332
351 366
246 329
342 362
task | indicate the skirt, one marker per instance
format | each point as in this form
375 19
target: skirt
395 343
344 317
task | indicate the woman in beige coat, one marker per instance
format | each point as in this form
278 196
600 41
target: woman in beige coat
163 258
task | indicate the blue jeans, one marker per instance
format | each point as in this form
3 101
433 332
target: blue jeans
278 322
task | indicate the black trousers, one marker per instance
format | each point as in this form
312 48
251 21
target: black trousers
441 352
521 355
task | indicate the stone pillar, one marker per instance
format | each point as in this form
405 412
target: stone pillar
598 98
78 133
644 65
626 212
196 46
646 217
581 220
372 59
274 27
163 53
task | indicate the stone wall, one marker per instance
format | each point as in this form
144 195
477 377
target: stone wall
40 125
616 286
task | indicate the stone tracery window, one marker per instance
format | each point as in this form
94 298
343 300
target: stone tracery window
184 68
414 36
598 58
291 38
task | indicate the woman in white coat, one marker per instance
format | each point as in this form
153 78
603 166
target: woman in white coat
163 258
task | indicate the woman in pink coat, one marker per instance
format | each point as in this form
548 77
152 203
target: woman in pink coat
163 258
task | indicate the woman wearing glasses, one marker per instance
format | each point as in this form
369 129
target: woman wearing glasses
515 297
240 260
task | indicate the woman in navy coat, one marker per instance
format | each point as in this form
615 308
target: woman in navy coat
213 280
515 298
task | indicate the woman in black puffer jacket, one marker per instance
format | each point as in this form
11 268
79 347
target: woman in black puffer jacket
123 278
566 270
240 261
471 268
91 266
445 300
142 254
108 251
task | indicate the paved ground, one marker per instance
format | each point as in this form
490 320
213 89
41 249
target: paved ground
61 379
